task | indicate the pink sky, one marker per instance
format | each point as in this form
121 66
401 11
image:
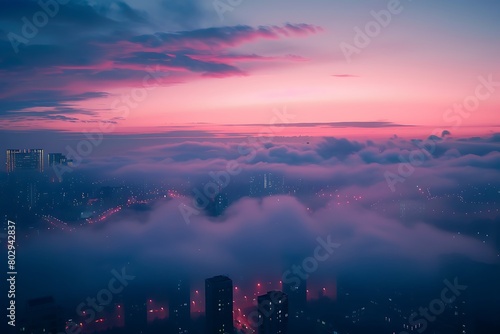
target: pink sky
236 72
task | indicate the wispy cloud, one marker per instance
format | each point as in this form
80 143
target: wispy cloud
345 76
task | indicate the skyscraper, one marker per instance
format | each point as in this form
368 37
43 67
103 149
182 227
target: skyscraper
297 296
25 159
43 316
136 314
179 306
56 159
220 204
273 313
219 305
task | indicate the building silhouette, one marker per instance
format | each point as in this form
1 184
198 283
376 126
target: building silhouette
273 313
220 204
180 306
135 313
297 297
56 159
24 160
219 305
43 317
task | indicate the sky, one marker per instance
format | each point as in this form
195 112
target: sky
182 68
166 91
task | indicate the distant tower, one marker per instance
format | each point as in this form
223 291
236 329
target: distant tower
273 313
254 186
220 204
56 159
44 316
136 314
180 306
219 305
294 287
297 297
402 210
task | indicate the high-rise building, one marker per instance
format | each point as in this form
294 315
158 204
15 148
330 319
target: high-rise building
297 296
43 317
219 305
136 314
56 159
273 184
179 306
220 204
273 313
254 187
25 159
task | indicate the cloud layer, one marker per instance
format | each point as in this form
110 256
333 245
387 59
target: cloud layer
333 188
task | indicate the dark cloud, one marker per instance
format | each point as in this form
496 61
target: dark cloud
110 45
340 148
18 107
123 12
181 61
185 14
221 37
